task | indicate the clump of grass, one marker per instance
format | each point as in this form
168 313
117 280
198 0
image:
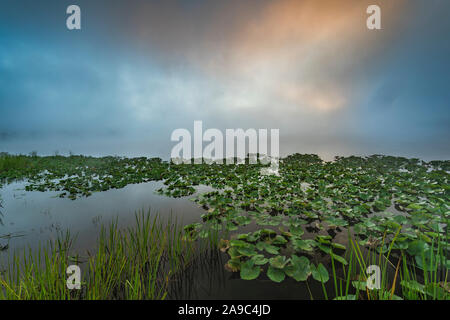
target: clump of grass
135 263
40 274
432 282
409 282
13 162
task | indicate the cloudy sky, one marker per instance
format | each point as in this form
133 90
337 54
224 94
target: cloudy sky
137 70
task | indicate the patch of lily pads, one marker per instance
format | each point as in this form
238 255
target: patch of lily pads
374 198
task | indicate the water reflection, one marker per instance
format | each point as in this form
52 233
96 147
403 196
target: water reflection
28 218
206 278
31 218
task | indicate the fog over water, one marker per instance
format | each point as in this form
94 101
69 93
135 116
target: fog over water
107 146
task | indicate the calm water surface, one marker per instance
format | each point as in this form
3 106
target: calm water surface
33 217
30 218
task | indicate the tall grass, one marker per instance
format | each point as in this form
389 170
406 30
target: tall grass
38 274
405 281
13 162
135 263
434 284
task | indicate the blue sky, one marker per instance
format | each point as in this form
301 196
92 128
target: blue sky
140 69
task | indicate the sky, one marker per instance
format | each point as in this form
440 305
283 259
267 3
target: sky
138 70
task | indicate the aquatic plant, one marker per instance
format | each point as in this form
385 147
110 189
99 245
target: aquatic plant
393 206
135 263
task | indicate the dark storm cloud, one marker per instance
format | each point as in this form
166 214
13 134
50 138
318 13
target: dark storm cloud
409 105
139 69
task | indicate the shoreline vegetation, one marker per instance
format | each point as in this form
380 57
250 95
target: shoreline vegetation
393 211
134 263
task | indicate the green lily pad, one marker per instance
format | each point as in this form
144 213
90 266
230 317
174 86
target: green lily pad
417 247
279 240
359 285
305 245
249 271
267 247
233 265
278 262
259 260
275 274
299 269
320 273
247 251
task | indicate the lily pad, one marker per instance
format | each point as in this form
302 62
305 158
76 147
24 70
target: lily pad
275 274
320 273
249 271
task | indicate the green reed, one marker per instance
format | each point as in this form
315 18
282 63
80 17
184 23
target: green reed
409 282
134 263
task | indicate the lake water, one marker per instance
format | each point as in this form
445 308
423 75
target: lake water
33 217
30 218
